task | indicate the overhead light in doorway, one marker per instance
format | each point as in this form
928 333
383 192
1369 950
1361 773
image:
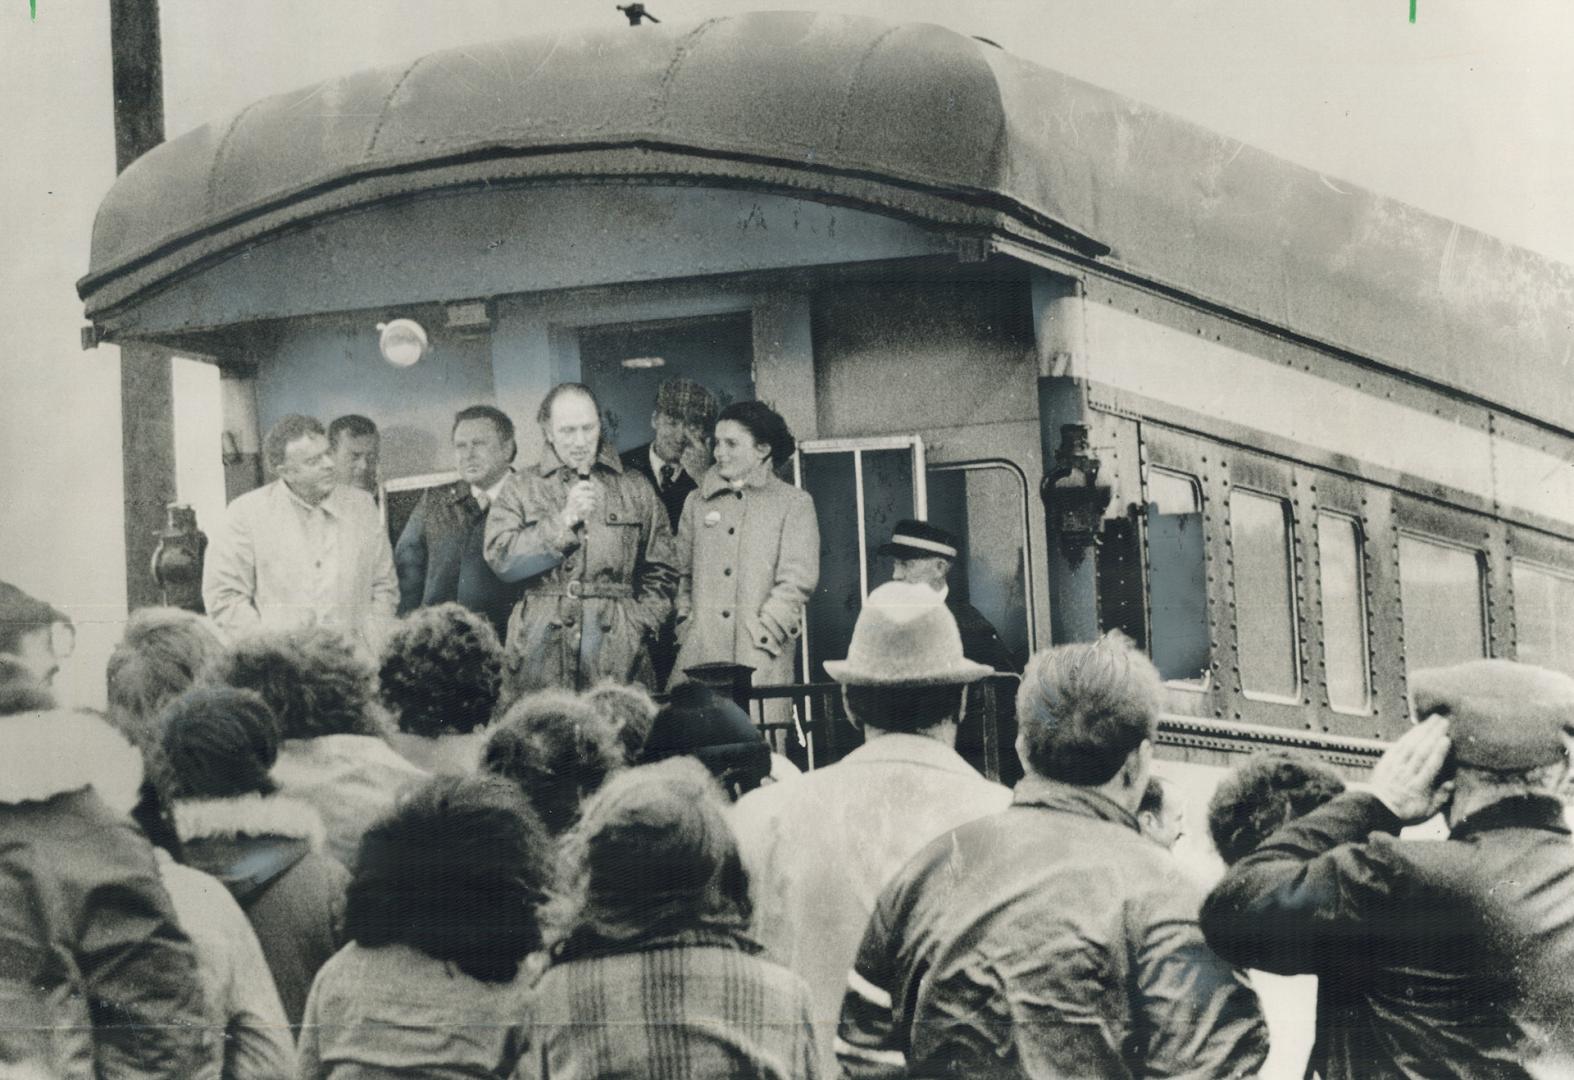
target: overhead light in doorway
644 363
402 342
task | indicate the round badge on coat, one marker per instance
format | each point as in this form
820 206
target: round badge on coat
712 518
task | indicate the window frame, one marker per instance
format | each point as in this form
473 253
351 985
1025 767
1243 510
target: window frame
1208 683
1006 464
1483 559
1297 643
1363 592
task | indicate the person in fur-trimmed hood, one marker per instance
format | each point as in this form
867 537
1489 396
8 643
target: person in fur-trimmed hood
267 848
97 979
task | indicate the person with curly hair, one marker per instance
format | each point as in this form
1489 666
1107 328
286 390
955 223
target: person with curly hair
441 917
266 847
630 710
658 899
558 749
439 676
333 754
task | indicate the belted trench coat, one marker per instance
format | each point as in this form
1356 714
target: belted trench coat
595 595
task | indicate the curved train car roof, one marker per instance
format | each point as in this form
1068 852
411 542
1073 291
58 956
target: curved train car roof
915 121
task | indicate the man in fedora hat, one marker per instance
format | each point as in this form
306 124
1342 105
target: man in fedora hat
1434 958
820 847
1052 939
924 554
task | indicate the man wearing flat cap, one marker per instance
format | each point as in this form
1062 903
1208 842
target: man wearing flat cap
820 847
924 554
1434 958
673 462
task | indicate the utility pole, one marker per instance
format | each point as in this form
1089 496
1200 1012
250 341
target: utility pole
147 404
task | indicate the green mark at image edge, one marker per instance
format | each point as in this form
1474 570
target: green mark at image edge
1412 10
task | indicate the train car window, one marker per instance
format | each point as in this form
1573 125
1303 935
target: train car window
1443 598
1544 616
1265 630
984 504
1177 579
1341 581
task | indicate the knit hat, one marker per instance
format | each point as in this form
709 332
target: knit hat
688 401
918 540
703 724
905 636
1503 716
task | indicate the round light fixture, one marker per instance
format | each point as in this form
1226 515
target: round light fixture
402 342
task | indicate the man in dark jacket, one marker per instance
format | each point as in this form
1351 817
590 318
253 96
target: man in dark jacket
1434 958
924 554
439 555
673 462
1052 939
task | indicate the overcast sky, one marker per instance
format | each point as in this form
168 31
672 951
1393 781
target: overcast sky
1467 112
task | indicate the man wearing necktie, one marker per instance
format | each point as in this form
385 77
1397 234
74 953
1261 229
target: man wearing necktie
673 462
440 554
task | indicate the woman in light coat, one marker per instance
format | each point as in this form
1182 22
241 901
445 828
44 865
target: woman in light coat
748 552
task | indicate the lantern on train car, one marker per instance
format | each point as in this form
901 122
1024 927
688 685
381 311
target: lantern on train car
402 342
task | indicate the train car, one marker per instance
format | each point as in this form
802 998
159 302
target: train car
1294 438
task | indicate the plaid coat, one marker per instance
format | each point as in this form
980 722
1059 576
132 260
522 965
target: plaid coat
692 1005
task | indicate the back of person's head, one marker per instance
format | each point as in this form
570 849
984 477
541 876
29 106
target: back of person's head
654 855
1268 791
219 743
160 656
1083 708
905 709
558 749
21 614
630 710
457 870
700 723
440 670
312 678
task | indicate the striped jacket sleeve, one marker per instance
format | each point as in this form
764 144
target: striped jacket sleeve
871 1039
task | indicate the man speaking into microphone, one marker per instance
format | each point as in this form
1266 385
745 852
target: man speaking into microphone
592 543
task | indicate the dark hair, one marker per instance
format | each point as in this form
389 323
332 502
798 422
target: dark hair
440 671
630 710
1083 708
1269 791
764 425
457 870
353 425
219 742
160 656
653 856
544 413
289 429
22 614
1152 797
906 709
557 749
312 678
499 419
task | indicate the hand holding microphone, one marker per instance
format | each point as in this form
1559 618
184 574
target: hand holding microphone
584 499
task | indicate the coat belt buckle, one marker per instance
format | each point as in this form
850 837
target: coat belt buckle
574 588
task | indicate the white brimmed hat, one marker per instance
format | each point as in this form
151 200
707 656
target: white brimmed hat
905 636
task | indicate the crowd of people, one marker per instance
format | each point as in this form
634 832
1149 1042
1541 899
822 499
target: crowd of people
418 810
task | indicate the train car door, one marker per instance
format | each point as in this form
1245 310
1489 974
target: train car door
625 363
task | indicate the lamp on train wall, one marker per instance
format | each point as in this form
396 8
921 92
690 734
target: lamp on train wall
402 342
1073 495
177 560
